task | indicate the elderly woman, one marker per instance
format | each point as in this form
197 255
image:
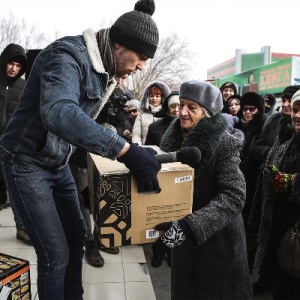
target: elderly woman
210 261
280 206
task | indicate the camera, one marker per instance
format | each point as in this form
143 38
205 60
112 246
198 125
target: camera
115 105
117 101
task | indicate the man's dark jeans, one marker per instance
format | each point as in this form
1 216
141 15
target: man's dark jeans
48 205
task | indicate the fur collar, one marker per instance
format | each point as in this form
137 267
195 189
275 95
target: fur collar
93 50
206 136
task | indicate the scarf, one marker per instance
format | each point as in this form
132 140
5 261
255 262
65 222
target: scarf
107 52
154 109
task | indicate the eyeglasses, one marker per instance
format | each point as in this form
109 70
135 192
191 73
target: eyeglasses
252 109
132 111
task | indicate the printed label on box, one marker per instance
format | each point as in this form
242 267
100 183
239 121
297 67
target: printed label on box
183 179
152 233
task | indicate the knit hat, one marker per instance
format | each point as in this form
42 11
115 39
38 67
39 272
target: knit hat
204 93
230 85
136 30
295 98
291 89
173 99
133 103
252 98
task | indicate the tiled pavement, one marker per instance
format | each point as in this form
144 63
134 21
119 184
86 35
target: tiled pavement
125 276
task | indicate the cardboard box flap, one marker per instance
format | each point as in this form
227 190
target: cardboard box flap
107 166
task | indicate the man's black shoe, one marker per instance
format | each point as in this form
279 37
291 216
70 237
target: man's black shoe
110 250
23 236
92 254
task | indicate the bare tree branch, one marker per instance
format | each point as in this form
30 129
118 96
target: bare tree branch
171 64
18 32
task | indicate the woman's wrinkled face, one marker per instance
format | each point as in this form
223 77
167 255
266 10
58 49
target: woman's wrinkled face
295 115
234 107
190 113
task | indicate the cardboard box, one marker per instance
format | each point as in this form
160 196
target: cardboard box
14 278
122 216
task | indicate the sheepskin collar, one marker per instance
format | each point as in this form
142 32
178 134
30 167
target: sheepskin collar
92 46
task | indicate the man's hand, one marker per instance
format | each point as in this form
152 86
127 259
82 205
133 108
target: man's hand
143 166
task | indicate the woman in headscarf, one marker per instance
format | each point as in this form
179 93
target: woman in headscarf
279 192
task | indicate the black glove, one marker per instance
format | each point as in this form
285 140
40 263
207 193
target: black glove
144 167
176 232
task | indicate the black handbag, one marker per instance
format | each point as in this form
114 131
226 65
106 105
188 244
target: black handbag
289 251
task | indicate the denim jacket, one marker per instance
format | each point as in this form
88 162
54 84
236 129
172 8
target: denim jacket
66 90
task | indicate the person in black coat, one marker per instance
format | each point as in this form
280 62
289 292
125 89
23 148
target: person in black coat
273 125
278 207
270 102
227 89
252 118
170 110
13 65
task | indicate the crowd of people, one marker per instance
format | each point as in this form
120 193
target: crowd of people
271 141
67 108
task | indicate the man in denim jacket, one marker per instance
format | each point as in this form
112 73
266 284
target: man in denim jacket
69 84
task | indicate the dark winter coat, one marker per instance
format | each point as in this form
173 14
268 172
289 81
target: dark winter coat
250 165
157 129
10 88
279 211
214 264
266 140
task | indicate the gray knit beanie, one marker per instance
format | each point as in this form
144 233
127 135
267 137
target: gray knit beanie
204 93
133 103
136 29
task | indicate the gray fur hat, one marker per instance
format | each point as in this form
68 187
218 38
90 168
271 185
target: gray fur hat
204 93
136 30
